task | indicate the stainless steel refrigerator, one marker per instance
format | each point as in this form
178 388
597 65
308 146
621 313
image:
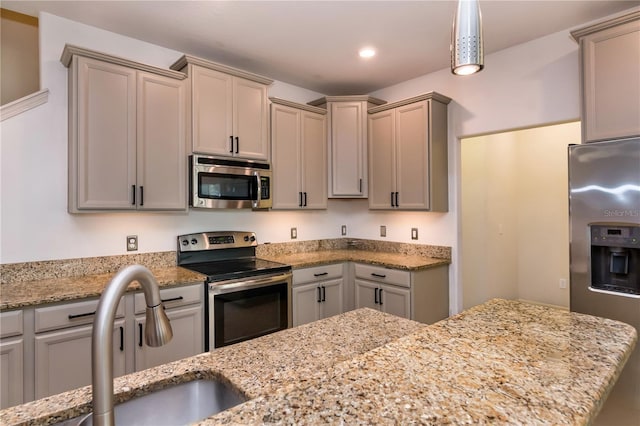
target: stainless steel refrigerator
604 211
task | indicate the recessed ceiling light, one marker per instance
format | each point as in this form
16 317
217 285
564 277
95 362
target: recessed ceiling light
367 52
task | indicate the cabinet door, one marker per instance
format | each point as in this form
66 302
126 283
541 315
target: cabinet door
212 108
187 339
314 160
332 302
306 304
611 87
11 373
412 152
382 158
395 300
285 139
162 155
63 359
250 119
366 294
348 149
102 152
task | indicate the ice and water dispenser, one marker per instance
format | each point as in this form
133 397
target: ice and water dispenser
615 258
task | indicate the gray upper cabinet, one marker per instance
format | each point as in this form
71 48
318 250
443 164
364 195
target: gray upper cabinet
229 110
610 82
408 154
127 134
347 144
299 155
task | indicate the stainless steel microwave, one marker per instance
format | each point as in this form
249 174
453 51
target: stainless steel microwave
219 183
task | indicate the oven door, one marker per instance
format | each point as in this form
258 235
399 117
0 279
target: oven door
244 309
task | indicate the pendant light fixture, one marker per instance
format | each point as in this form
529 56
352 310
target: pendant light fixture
467 50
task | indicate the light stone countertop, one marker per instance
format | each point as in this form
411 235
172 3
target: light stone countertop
25 294
503 362
408 262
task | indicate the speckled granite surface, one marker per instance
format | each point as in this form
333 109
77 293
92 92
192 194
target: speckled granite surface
257 367
389 260
34 283
503 362
22 294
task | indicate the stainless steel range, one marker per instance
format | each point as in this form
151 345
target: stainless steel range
247 297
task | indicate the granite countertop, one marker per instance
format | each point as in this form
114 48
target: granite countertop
408 262
500 362
28 289
15 295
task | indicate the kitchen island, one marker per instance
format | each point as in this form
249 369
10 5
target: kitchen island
499 362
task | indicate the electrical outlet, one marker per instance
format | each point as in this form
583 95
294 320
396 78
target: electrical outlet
343 231
383 231
563 283
414 233
132 242
294 233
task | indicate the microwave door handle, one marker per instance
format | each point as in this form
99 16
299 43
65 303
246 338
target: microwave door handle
256 203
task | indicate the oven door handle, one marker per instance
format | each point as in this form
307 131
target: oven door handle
239 285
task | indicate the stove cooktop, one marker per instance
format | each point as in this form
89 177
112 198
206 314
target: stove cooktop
232 269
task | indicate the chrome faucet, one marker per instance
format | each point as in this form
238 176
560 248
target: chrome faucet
157 333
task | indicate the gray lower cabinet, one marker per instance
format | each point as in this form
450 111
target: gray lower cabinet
61 335
11 359
63 359
63 346
184 309
418 295
317 293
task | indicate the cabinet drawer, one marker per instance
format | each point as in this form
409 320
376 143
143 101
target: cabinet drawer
10 323
383 275
317 273
172 297
69 315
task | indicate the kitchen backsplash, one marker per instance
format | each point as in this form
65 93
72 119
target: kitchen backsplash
48 269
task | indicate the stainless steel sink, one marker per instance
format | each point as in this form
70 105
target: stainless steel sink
176 405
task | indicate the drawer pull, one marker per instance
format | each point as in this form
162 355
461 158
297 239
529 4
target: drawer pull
322 274
380 297
87 314
319 294
173 299
121 339
373 274
324 294
140 339
375 296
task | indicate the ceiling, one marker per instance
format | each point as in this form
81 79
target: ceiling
314 44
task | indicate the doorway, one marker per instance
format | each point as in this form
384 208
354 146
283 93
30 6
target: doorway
515 215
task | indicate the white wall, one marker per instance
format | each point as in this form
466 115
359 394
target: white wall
514 212
35 224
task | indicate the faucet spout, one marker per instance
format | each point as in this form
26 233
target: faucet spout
157 332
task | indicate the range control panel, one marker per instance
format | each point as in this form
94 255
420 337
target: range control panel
216 240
